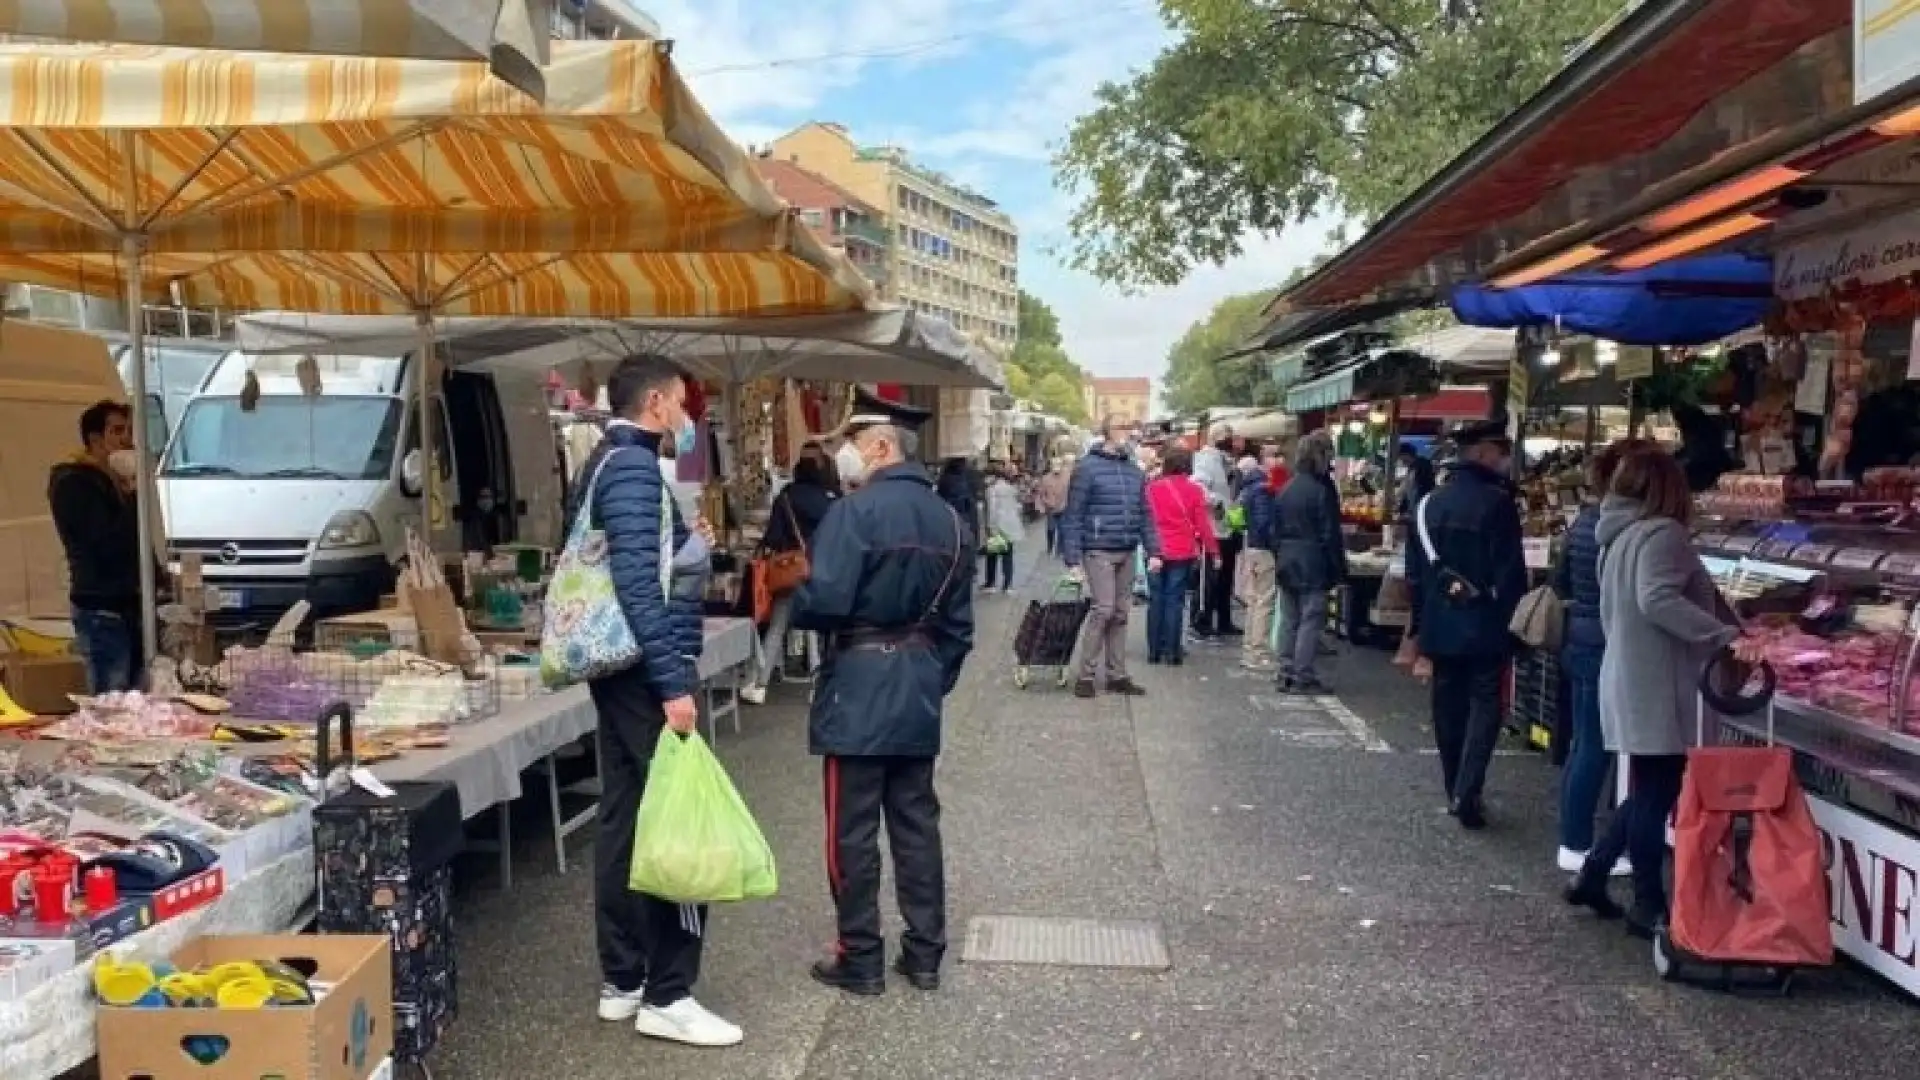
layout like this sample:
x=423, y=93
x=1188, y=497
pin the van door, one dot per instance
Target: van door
x=536, y=463
x=487, y=509
x=435, y=505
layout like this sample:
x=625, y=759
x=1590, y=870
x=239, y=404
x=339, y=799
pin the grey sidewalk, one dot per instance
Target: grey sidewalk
x=1323, y=917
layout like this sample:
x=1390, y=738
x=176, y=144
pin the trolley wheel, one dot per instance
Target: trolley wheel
x=1062, y=679
x=1020, y=678
x=1664, y=963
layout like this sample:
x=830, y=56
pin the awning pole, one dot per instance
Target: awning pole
x=133, y=250
x=429, y=459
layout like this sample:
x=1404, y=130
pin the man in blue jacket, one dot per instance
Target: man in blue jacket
x=891, y=592
x=1466, y=571
x=1106, y=520
x=649, y=948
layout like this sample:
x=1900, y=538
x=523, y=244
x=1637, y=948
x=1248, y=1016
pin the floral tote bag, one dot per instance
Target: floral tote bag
x=586, y=634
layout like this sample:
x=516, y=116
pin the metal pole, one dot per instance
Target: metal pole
x=429, y=458
x=133, y=249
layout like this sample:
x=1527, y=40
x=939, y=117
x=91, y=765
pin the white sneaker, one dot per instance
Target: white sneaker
x=686, y=1021
x=616, y=1004
x=753, y=694
x=1571, y=861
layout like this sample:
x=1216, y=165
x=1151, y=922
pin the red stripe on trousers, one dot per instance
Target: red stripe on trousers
x=830, y=771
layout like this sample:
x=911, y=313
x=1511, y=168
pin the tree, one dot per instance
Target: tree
x=1266, y=113
x=1038, y=358
x=1196, y=378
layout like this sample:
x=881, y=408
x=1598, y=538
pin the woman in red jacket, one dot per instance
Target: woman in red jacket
x=1179, y=509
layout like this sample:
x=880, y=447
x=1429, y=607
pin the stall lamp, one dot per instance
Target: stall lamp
x=1570, y=259
x=1357, y=427
x=1900, y=125
x=1550, y=358
x=1714, y=232
x=1605, y=353
x=1725, y=197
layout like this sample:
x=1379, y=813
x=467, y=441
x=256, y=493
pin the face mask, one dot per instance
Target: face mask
x=683, y=438
x=123, y=463
x=852, y=467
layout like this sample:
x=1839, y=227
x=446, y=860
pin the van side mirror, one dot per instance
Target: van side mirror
x=410, y=479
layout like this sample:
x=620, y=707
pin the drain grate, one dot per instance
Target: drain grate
x=1020, y=939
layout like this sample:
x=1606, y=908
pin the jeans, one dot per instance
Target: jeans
x=1639, y=830
x=1585, y=774
x=1166, y=599
x=1303, y=616
x=1004, y=562
x=1103, y=639
x=1466, y=721
x=109, y=641
x=773, y=645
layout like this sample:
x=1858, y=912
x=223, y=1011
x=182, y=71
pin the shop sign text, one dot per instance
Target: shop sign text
x=1873, y=892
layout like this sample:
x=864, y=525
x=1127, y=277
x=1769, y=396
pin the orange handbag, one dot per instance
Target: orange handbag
x=786, y=570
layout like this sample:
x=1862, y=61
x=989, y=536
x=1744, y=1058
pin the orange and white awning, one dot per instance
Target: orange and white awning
x=510, y=35
x=364, y=186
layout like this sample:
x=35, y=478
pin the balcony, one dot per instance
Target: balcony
x=864, y=230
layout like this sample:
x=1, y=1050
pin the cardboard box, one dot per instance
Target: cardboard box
x=40, y=684
x=343, y=1036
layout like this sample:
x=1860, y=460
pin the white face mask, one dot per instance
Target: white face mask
x=124, y=463
x=852, y=467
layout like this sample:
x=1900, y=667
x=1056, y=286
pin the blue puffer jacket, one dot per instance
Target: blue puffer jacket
x=627, y=504
x=1577, y=580
x=1107, y=507
x=1261, y=504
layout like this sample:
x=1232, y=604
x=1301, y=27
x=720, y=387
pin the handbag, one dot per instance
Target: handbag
x=586, y=634
x=1541, y=620
x=1455, y=589
x=784, y=571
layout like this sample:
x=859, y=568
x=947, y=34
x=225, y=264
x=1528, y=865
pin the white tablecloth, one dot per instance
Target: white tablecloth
x=50, y=1031
x=486, y=759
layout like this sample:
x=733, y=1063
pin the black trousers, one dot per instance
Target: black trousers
x=642, y=939
x=1466, y=720
x=1004, y=563
x=1639, y=828
x=1217, y=615
x=859, y=791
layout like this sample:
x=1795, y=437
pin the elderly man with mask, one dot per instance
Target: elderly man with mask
x=1106, y=519
x=1467, y=573
x=891, y=594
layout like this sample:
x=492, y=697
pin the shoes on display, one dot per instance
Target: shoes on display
x=618, y=1004
x=837, y=974
x=687, y=1022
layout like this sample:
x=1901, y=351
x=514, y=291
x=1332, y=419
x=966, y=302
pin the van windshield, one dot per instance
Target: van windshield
x=337, y=437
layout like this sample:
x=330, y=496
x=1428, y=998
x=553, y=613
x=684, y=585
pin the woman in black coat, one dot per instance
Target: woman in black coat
x=797, y=511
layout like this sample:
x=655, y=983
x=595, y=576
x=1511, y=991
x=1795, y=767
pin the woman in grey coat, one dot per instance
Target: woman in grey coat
x=1664, y=620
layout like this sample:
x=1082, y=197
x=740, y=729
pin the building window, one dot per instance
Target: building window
x=814, y=218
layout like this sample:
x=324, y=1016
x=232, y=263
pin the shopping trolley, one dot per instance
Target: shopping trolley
x=1048, y=632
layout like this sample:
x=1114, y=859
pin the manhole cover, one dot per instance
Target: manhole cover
x=1019, y=939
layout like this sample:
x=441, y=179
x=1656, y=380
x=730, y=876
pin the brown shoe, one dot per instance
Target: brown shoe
x=1125, y=688
x=1083, y=688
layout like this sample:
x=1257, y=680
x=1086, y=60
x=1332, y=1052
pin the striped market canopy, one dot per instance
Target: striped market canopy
x=511, y=35
x=366, y=186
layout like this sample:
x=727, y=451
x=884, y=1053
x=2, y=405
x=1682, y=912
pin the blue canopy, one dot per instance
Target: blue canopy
x=1683, y=302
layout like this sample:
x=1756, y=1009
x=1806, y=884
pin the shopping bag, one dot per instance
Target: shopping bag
x=585, y=633
x=694, y=841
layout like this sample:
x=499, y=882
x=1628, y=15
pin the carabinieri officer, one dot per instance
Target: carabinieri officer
x=891, y=594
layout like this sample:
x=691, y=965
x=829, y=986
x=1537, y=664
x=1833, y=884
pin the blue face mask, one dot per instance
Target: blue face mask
x=683, y=439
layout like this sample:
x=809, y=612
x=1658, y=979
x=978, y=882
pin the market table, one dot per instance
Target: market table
x=485, y=760
x=50, y=1031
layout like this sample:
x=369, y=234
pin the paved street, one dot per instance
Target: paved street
x=1322, y=916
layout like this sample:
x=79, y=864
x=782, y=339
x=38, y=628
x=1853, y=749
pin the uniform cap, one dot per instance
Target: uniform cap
x=872, y=410
x=1475, y=432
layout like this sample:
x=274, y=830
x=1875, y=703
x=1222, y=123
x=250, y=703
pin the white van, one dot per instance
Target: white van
x=310, y=497
x=175, y=369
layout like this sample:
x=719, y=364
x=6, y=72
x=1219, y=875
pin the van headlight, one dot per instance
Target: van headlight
x=349, y=529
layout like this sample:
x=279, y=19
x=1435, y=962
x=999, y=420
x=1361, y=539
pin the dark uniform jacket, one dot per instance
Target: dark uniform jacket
x=891, y=590
x=1476, y=534
x=627, y=504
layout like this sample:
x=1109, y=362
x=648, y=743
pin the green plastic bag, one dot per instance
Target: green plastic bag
x=694, y=841
x=1237, y=518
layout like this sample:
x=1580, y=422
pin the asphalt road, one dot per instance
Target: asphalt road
x=1322, y=915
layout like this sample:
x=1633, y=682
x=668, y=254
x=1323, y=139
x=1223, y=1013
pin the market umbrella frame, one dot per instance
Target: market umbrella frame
x=419, y=187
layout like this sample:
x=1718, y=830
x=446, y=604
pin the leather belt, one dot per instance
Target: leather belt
x=883, y=638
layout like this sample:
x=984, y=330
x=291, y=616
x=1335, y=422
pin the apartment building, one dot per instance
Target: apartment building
x=837, y=216
x=1128, y=399
x=572, y=20
x=951, y=251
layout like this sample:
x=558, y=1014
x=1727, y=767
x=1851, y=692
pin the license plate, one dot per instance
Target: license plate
x=231, y=599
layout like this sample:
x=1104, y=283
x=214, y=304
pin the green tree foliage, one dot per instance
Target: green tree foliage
x=1039, y=368
x=1197, y=379
x=1267, y=112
